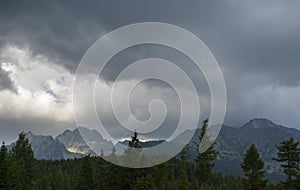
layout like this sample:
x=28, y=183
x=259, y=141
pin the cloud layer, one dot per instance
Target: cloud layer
x=255, y=43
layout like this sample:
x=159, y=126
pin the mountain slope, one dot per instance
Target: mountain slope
x=232, y=143
x=75, y=143
x=45, y=147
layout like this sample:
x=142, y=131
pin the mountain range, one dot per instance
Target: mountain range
x=232, y=143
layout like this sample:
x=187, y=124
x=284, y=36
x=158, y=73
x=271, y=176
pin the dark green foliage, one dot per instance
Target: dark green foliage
x=106, y=173
x=289, y=157
x=61, y=181
x=135, y=142
x=183, y=181
x=24, y=158
x=3, y=167
x=102, y=175
x=253, y=167
x=145, y=183
x=130, y=154
x=162, y=173
x=227, y=182
x=204, y=161
x=14, y=172
x=3, y=153
x=54, y=175
x=85, y=180
x=17, y=167
x=179, y=172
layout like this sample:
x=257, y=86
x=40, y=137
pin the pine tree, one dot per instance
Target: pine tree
x=3, y=167
x=67, y=181
x=163, y=175
x=59, y=180
x=17, y=174
x=112, y=170
x=102, y=175
x=145, y=183
x=183, y=181
x=204, y=161
x=289, y=157
x=135, y=142
x=24, y=158
x=43, y=183
x=253, y=167
x=3, y=152
x=85, y=180
x=131, y=157
x=131, y=154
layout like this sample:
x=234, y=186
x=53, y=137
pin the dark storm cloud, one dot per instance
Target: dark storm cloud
x=5, y=82
x=49, y=28
x=64, y=31
x=256, y=43
x=251, y=37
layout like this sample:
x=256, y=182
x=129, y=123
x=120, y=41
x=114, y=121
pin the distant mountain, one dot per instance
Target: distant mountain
x=232, y=143
x=69, y=144
x=146, y=144
x=74, y=142
x=45, y=147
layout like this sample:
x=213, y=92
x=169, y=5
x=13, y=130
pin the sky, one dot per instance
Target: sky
x=256, y=43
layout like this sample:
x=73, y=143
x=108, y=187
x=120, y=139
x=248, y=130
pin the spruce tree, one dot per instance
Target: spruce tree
x=85, y=180
x=131, y=154
x=59, y=180
x=253, y=167
x=135, y=142
x=17, y=174
x=102, y=175
x=124, y=178
x=145, y=183
x=3, y=167
x=112, y=170
x=24, y=158
x=204, y=161
x=183, y=180
x=163, y=175
x=43, y=183
x=289, y=157
x=3, y=152
x=131, y=157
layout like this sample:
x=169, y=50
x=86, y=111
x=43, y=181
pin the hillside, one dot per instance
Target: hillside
x=231, y=143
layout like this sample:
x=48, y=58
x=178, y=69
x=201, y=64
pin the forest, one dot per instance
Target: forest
x=20, y=170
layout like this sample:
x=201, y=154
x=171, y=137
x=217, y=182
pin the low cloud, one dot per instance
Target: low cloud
x=42, y=89
x=5, y=82
x=256, y=43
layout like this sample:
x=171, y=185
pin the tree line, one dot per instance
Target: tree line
x=20, y=170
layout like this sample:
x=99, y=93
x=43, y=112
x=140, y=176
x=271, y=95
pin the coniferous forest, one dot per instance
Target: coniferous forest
x=20, y=170
x=149, y=95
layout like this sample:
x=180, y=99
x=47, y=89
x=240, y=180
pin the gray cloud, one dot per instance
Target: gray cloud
x=5, y=81
x=256, y=43
x=256, y=36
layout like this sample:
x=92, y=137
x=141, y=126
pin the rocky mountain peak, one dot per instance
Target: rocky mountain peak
x=258, y=123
